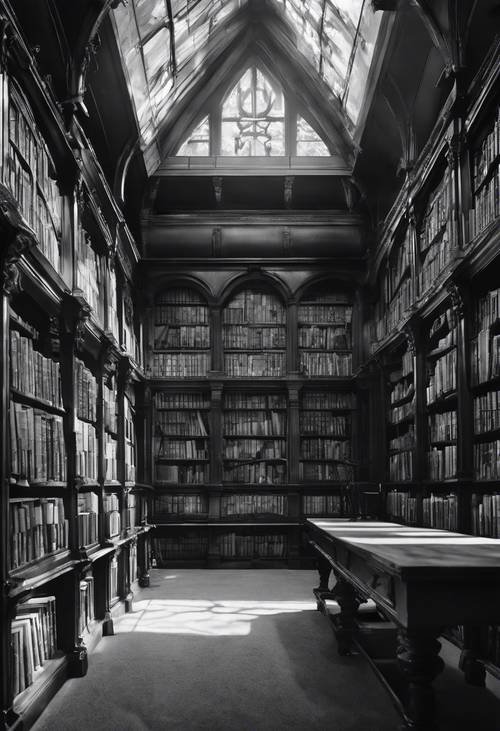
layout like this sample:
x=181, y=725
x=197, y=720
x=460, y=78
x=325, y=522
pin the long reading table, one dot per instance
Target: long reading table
x=423, y=580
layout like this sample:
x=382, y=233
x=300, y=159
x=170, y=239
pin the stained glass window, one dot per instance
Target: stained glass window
x=253, y=117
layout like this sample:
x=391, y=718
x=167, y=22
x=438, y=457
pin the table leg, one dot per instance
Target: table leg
x=324, y=571
x=418, y=658
x=473, y=670
x=345, y=622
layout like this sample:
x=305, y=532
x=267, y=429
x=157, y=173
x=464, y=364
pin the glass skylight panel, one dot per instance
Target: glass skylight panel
x=198, y=143
x=365, y=46
x=308, y=141
x=161, y=55
x=150, y=14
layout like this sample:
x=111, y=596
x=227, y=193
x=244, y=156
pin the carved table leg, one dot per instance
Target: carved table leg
x=418, y=657
x=345, y=623
x=324, y=570
x=473, y=670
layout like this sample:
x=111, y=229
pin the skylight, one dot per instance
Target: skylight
x=164, y=43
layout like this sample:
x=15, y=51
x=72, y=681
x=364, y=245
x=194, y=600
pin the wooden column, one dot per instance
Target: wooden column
x=293, y=442
x=216, y=440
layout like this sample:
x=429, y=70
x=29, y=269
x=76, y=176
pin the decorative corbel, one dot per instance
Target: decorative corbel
x=18, y=239
x=457, y=300
x=286, y=240
x=109, y=359
x=288, y=190
x=217, y=183
x=411, y=340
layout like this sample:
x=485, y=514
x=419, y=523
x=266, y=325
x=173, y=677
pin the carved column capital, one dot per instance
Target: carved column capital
x=410, y=339
x=288, y=190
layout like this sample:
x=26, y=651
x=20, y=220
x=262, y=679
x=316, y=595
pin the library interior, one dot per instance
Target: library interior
x=250, y=364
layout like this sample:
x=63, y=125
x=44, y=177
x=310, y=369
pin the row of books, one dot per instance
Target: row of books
x=181, y=336
x=90, y=274
x=256, y=473
x=233, y=506
x=177, y=423
x=32, y=373
x=196, y=474
x=254, y=449
x=88, y=529
x=322, y=505
x=394, y=309
x=179, y=296
x=403, y=441
x=325, y=337
x=443, y=427
x=45, y=222
x=180, y=365
x=403, y=389
x=486, y=514
x=241, y=337
x=110, y=406
x=398, y=264
x=177, y=314
x=486, y=153
x=327, y=400
x=254, y=307
x=437, y=212
x=401, y=466
x=188, y=505
x=37, y=449
x=112, y=524
x=37, y=528
x=436, y=259
x=188, y=545
x=324, y=422
x=86, y=392
x=234, y=545
x=112, y=302
x=440, y=511
x=171, y=400
x=486, y=205
x=33, y=640
x=442, y=463
x=407, y=363
x=254, y=401
x=130, y=443
x=321, y=472
x=86, y=450
x=443, y=379
x=22, y=133
x=487, y=460
x=321, y=448
x=86, y=604
x=311, y=314
x=180, y=448
x=485, y=357
x=487, y=412
x=486, y=311
x=254, y=423
x=113, y=579
x=325, y=364
x=253, y=364
x=402, y=505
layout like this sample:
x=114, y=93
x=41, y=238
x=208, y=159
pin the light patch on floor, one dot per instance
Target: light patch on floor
x=203, y=617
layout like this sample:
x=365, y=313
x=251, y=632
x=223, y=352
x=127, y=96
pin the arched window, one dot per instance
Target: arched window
x=253, y=119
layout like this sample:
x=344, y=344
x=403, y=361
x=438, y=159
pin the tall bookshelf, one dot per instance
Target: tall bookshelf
x=63, y=532
x=241, y=454
x=180, y=335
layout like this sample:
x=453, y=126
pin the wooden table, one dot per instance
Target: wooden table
x=424, y=580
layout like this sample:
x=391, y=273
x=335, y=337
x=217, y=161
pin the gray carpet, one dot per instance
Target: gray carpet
x=222, y=651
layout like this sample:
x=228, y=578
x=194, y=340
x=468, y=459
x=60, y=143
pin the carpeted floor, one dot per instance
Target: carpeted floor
x=222, y=651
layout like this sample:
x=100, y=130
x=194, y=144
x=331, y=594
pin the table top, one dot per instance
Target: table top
x=404, y=549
